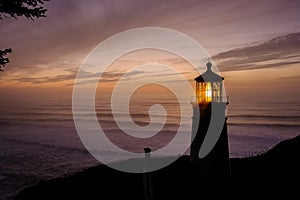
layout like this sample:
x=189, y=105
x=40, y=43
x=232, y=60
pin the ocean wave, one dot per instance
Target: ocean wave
x=266, y=116
x=52, y=146
x=265, y=125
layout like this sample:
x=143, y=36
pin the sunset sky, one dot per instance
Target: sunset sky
x=238, y=34
x=48, y=123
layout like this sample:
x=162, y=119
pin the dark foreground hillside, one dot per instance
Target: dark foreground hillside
x=273, y=175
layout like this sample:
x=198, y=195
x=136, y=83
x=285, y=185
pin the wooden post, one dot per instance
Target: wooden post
x=147, y=180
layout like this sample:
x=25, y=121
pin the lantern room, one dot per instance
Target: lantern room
x=209, y=86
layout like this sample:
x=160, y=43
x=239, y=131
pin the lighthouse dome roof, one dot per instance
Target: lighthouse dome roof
x=209, y=75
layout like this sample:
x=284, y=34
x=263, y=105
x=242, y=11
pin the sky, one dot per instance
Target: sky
x=255, y=44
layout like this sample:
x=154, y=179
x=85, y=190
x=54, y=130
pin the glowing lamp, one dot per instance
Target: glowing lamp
x=209, y=86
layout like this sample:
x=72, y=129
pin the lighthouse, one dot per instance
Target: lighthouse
x=208, y=99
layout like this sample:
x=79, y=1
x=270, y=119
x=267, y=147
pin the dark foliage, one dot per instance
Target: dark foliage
x=28, y=8
x=17, y=8
x=3, y=60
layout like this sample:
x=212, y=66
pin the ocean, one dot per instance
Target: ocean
x=39, y=140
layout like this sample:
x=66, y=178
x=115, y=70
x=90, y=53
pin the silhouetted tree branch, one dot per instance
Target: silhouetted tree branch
x=17, y=8
x=3, y=60
x=28, y=8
